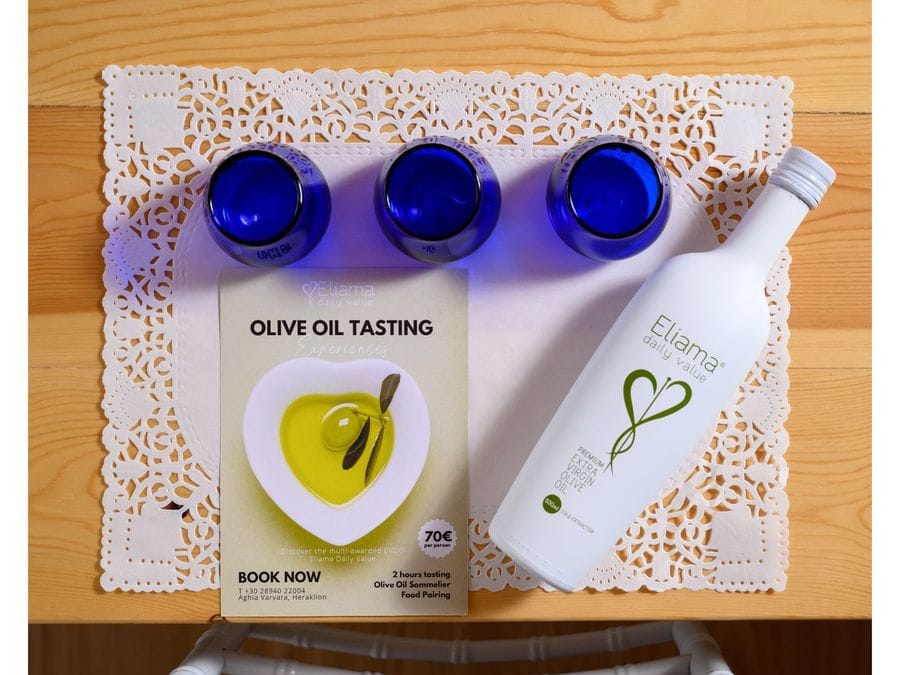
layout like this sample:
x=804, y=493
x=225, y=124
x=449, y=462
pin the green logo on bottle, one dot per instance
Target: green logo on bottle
x=552, y=503
x=626, y=439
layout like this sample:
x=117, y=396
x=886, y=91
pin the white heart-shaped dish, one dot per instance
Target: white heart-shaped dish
x=288, y=381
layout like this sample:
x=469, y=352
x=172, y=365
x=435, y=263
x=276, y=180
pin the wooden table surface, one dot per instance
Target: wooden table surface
x=823, y=45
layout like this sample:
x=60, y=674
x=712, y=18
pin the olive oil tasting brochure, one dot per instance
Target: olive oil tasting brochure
x=344, y=442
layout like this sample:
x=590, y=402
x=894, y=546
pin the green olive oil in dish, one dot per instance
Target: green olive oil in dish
x=337, y=445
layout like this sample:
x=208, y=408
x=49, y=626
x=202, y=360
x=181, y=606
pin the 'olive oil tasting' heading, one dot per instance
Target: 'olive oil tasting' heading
x=338, y=327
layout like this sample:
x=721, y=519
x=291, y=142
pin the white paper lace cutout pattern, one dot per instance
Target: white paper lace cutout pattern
x=722, y=524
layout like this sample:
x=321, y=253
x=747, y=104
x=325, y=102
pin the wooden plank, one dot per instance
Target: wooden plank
x=830, y=348
x=831, y=271
x=829, y=488
x=824, y=46
x=65, y=202
x=830, y=275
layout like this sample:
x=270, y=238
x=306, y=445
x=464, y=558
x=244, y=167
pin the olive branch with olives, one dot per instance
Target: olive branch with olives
x=357, y=447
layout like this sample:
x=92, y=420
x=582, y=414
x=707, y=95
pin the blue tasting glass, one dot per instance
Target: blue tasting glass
x=608, y=198
x=267, y=205
x=437, y=199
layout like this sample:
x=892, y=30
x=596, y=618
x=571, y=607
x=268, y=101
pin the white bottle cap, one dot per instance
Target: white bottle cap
x=803, y=174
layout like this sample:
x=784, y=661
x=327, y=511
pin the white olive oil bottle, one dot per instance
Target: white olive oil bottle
x=656, y=384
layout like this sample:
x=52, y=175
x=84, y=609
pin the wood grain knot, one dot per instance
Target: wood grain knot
x=637, y=10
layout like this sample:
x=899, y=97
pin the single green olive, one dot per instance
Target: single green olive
x=340, y=426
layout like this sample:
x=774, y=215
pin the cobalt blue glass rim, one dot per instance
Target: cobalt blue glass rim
x=436, y=142
x=238, y=155
x=593, y=145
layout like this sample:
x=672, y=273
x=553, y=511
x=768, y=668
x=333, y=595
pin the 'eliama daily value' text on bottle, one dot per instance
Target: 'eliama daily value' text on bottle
x=653, y=389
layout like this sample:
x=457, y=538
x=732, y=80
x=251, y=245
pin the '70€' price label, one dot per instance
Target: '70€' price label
x=437, y=538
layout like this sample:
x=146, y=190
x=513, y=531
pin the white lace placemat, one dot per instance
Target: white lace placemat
x=537, y=310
